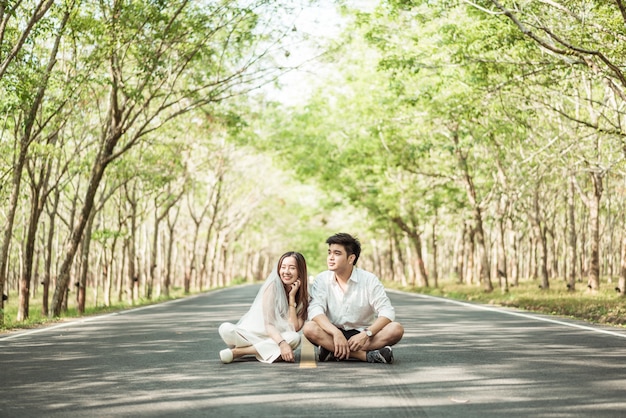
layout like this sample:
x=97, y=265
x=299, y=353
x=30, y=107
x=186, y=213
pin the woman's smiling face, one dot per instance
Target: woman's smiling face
x=289, y=270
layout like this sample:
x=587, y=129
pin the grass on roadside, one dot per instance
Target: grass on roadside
x=604, y=307
x=36, y=318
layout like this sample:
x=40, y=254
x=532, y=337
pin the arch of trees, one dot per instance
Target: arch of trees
x=484, y=140
x=116, y=171
x=479, y=140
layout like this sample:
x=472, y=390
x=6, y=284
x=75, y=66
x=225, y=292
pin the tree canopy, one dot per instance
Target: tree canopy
x=144, y=147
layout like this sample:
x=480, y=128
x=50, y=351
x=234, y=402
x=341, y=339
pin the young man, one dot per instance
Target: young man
x=350, y=314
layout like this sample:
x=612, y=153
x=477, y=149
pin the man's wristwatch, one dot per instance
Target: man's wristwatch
x=368, y=332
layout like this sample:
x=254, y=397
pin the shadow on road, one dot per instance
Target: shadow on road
x=454, y=361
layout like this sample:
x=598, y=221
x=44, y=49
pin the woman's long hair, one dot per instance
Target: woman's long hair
x=302, y=297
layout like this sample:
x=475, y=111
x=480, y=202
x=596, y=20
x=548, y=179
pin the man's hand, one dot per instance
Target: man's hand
x=342, y=350
x=358, y=341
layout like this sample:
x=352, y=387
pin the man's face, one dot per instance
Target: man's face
x=338, y=258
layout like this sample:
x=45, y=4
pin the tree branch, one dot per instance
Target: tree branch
x=570, y=50
x=622, y=9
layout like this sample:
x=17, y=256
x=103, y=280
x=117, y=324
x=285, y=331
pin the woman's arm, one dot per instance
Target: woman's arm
x=269, y=303
x=293, y=318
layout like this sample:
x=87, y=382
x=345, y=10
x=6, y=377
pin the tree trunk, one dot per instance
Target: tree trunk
x=216, y=198
x=26, y=140
x=167, y=280
x=513, y=259
x=106, y=279
x=77, y=232
x=622, y=274
x=111, y=134
x=217, y=259
x=483, y=268
x=10, y=220
x=469, y=271
x=402, y=263
x=571, y=242
x=224, y=258
x=48, y=256
x=411, y=264
x=459, y=265
x=533, y=269
x=388, y=272
x=541, y=240
x=132, y=270
x=416, y=239
x=594, y=233
x=214, y=257
x=131, y=245
x=121, y=272
x=434, y=273
x=189, y=268
x=82, y=281
x=153, y=255
x=29, y=253
x=545, y=282
x=39, y=190
x=158, y=218
x=502, y=209
x=501, y=265
x=552, y=253
x=229, y=263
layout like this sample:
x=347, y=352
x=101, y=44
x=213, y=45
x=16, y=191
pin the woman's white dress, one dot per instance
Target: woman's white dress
x=269, y=309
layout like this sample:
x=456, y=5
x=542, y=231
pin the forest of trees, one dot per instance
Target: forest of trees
x=484, y=140
x=117, y=173
x=480, y=142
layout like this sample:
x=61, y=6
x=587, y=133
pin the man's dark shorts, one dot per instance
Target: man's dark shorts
x=349, y=332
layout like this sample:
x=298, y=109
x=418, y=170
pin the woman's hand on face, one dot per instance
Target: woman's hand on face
x=294, y=288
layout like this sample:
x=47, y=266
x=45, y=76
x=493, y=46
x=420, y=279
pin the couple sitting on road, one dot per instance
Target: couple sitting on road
x=350, y=315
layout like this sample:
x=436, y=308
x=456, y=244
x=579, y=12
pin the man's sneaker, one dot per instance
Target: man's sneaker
x=384, y=355
x=326, y=355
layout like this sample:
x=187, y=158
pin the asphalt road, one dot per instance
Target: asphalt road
x=456, y=360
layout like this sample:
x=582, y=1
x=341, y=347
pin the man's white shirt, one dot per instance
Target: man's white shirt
x=365, y=299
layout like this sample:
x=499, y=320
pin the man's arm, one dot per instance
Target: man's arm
x=361, y=340
x=318, y=314
x=380, y=301
x=342, y=350
x=385, y=312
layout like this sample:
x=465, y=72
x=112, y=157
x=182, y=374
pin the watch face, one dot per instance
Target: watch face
x=368, y=333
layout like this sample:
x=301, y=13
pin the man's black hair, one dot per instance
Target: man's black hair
x=351, y=244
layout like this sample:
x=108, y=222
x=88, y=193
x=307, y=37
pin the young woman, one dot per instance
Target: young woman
x=269, y=330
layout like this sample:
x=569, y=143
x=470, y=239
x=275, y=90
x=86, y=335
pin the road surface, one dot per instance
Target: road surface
x=455, y=360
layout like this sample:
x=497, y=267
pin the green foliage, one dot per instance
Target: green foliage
x=125, y=73
x=423, y=94
x=607, y=307
x=36, y=319
x=104, y=235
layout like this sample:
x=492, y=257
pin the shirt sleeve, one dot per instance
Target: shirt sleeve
x=319, y=297
x=380, y=301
